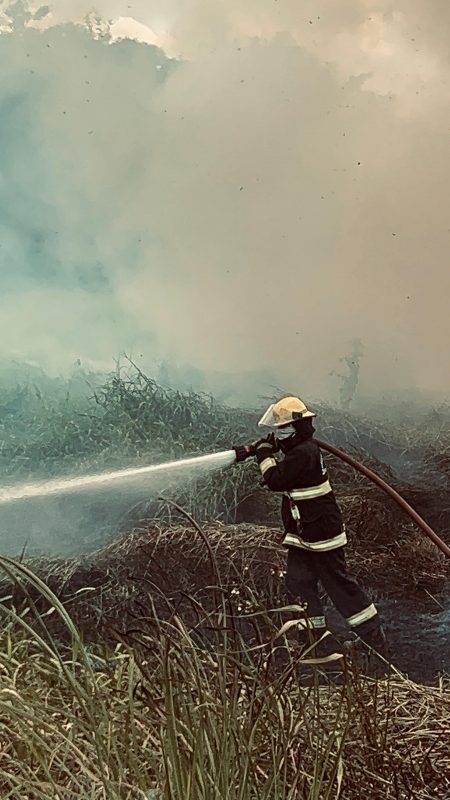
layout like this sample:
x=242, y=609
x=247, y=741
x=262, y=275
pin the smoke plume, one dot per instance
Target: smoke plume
x=249, y=186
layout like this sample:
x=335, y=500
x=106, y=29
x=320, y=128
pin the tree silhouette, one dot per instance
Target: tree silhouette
x=349, y=383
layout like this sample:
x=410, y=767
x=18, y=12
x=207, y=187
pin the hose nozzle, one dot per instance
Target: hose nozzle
x=244, y=451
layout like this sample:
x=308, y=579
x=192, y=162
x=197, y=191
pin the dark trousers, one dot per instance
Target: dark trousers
x=306, y=569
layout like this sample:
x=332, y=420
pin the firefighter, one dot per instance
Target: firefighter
x=314, y=531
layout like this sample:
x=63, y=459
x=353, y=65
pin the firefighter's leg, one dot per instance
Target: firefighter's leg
x=302, y=587
x=350, y=599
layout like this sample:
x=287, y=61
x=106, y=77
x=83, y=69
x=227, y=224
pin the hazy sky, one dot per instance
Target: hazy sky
x=261, y=184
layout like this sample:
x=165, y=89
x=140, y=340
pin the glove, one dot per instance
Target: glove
x=244, y=451
x=269, y=441
x=263, y=449
x=272, y=439
x=264, y=455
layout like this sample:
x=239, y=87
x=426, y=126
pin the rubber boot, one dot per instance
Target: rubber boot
x=319, y=647
x=370, y=650
x=375, y=639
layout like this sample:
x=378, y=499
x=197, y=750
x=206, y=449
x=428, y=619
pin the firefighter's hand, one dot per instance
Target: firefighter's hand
x=264, y=456
x=269, y=442
x=272, y=439
x=263, y=450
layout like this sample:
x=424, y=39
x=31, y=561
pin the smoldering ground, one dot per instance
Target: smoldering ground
x=266, y=188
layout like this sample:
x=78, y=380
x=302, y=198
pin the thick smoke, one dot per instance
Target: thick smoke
x=267, y=185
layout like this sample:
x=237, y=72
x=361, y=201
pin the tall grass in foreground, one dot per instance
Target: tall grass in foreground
x=194, y=713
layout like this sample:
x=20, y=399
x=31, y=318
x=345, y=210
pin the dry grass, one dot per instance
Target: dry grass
x=166, y=561
x=192, y=710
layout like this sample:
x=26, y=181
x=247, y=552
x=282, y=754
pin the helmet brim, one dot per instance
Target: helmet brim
x=268, y=419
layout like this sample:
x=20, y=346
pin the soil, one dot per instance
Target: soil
x=419, y=642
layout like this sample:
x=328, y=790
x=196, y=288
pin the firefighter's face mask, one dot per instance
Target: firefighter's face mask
x=284, y=433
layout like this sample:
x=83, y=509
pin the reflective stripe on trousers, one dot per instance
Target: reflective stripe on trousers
x=315, y=622
x=362, y=616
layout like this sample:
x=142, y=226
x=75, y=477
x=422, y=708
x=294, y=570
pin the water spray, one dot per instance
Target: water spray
x=104, y=480
x=223, y=459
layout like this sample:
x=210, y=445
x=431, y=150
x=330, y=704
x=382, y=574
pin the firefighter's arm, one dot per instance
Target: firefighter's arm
x=277, y=475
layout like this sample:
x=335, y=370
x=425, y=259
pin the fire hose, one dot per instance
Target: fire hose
x=372, y=476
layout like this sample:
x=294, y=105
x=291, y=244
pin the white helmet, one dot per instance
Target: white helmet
x=285, y=412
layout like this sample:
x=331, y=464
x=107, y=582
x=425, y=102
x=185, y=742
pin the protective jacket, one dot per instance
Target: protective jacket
x=311, y=516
